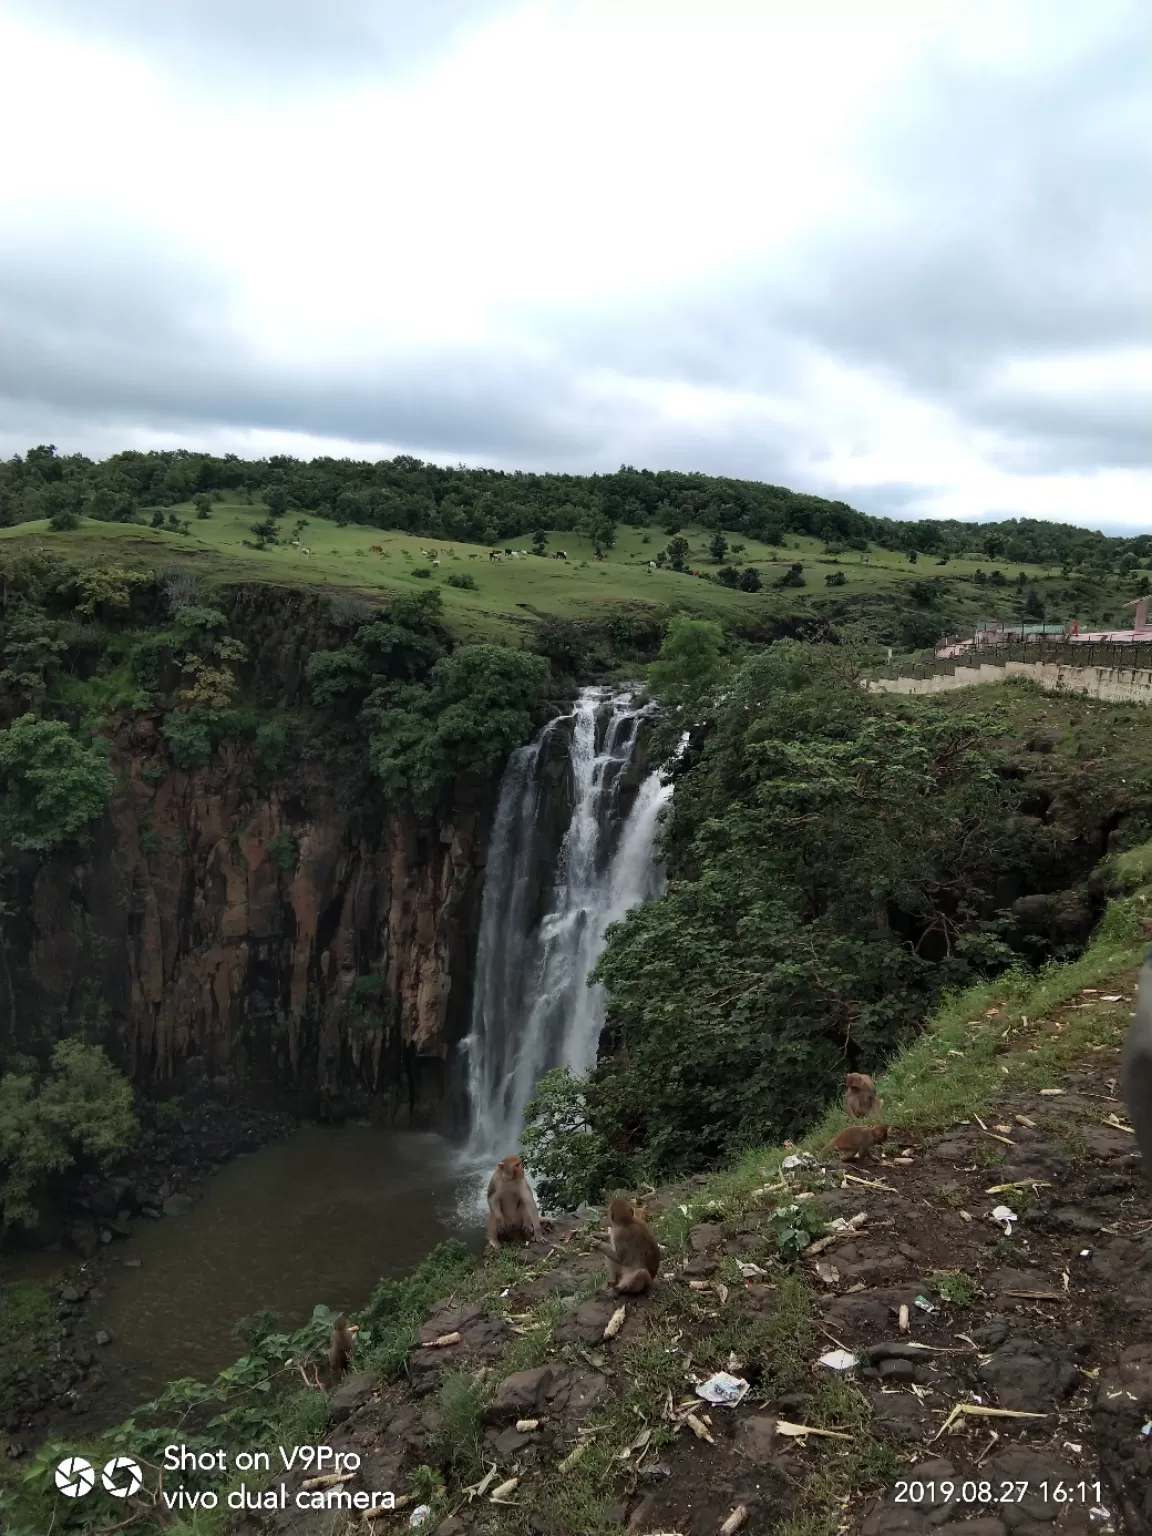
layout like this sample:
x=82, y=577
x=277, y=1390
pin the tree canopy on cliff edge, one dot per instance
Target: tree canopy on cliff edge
x=831, y=868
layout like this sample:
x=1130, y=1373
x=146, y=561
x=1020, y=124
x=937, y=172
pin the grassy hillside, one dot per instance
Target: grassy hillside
x=900, y=602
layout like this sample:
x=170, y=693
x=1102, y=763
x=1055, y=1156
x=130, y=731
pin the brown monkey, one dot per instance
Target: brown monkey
x=860, y=1099
x=1136, y=1067
x=855, y=1140
x=632, y=1252
x=340, y=1347
x=511, y=1207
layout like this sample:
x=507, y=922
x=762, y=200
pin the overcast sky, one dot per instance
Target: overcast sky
x=898, y=253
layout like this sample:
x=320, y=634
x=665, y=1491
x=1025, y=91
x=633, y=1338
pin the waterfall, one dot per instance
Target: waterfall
x=544, y=915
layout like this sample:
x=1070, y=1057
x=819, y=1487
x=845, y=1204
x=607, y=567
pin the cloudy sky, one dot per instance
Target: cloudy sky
x=896, y=251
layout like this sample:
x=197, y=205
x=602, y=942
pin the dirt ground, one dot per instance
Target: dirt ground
x=1003, y=1374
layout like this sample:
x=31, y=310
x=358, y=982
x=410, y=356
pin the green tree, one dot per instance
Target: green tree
x=750, y=579
x=82, y=1108
x=52, y=783
x=677, y=552
x=477, y=706
x=718, y=547
x=690, y=662
x=539, y=541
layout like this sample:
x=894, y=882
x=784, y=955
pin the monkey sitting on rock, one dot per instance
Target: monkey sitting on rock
x=1136, y=1067
x=511, y=1205
x=632, y=1252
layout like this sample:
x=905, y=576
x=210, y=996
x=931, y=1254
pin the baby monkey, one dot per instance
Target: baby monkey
x=857, y=1140
x=633, y=1253
x=860, y=1098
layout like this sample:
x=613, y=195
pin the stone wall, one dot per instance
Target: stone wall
x=1130, y=685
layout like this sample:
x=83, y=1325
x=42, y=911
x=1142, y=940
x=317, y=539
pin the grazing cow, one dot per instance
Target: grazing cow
x=559, y=554
x=377, y=549
x=494, y=554
x=507, y=551
x=435, y=562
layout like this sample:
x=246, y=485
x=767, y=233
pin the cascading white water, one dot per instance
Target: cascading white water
x=533, y=1006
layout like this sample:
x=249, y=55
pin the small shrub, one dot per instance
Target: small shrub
x=836, y=579
x=463, y=579
x=189, y=738
x=955, y=1287
x=421, y=571
x=63, y=521
x=795, y=1226
x=284, y=851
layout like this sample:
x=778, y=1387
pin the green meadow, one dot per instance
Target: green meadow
x=510, y=592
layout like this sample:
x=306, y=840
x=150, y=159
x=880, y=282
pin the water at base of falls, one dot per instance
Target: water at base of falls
x=533, y=1006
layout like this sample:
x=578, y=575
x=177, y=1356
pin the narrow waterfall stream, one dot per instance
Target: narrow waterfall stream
x=548, y=905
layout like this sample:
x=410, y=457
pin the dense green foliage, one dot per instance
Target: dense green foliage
x=52, y=784
x=81, y=1108
x=831, y=867
x=492, y=506
x=477, y=706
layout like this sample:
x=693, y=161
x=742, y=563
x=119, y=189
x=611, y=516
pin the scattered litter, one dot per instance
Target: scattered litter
x=998, y=1189
x=418, y=1516
x=827, y=1272
x=1115, y=998
x=615, y=1323
x=443, y=1341
x=477, y=1490
x=925, y=1305
x=1050, y=1092
x=639, y=1444
x=1147, y=1430
x=848, y=1224
x=698, y=1285
x=723, y=1390
x=1117, y=1124
x=798, y=1431
x=1085, y=1253
x=524, y=1426
x=750, y=1271
x=1035, y=1295
x=1024, y=1120
x=1074, y=1446
x=839, y=1360
x=1099, y=1514
x=1004, y=1217
x=699, y=1428
x=798, y=1160
x=722, y=1291
x=734, y=1521
x=500, y=1495
x=905, y=1321
x=573, y=1457
x=977, y=1410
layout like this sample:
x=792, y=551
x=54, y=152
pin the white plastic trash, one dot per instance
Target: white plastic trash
x=723, y=1390
x=839, y=1360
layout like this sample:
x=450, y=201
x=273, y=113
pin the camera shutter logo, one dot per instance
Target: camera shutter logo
x=121, y=1477
x=75, y=1477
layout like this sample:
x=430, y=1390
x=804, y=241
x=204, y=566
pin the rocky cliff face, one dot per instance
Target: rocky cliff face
x=223, y=930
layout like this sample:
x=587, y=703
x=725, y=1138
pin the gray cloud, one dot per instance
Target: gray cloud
x=1020, y=232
